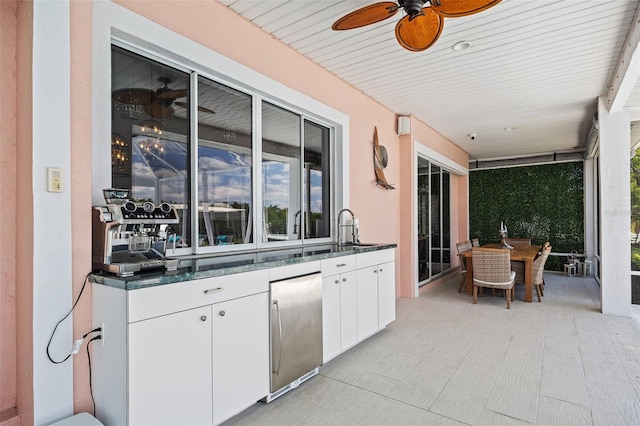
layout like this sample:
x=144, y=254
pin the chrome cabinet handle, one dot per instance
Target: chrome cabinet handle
x=380, y=269
x=203, y=318
x=277, y=370
x=213, y=290
x=375, y=271
x=222, y=313
x=344, y=280
x=340, y=265
x=337, y=281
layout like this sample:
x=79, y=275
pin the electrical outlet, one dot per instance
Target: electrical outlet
x=104, y=341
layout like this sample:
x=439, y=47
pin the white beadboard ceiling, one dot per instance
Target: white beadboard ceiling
x=536, y=67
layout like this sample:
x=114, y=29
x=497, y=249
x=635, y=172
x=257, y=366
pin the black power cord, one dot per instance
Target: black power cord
x=98, y=337
x=86, y=278
x=93, y=401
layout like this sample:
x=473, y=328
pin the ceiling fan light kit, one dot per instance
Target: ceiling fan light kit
x=424, y=20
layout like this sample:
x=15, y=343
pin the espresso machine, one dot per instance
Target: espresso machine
x=130, y=237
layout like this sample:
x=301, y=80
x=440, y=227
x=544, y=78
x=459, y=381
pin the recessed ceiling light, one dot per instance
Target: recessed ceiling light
x=461, y=45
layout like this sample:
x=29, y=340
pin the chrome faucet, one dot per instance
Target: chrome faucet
x=354, y=229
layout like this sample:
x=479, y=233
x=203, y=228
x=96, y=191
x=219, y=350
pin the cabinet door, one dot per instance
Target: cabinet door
x=367, y=302
x=170, y=369
x=348, y=310
x=330, y=317
x=386, y=294
x=240, y=354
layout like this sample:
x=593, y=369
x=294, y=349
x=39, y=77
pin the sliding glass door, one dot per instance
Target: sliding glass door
x=433, y=224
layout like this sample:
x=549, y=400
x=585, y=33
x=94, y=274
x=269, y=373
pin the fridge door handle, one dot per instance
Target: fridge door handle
x=277, y=370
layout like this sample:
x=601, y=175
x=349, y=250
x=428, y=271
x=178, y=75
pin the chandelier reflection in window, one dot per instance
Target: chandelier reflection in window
x=128, y=105
x=119, y=152
x=227, y=134
x=152, y=130
x=152, y=145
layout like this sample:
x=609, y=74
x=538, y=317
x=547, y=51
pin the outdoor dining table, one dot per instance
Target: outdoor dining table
x=524, y=253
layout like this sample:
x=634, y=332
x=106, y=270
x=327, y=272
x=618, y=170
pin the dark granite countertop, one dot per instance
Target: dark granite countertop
x=205, y=266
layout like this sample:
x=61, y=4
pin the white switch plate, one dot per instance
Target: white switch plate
x=54, y=179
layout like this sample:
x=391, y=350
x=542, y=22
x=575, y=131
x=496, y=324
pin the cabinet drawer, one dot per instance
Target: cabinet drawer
x=337, y=265
x=375, y=257
x=155, y=301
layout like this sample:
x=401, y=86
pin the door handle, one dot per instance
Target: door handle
x=276, y=371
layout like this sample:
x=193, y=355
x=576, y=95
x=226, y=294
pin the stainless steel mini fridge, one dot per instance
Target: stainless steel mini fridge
x=296, y=330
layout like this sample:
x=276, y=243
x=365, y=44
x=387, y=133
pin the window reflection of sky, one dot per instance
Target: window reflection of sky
x=316, y=191
x=275, y=184
x=225, y=176
x=159, y=170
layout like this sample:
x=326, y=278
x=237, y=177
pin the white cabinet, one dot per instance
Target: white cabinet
x=194, y=352
x=376, y=291
x=339, y=306
x=240, y=354
x=166, y=354
x=386, y=294
x=367, y=301
x=358, y=298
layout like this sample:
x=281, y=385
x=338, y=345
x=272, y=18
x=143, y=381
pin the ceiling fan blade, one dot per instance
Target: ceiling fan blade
x=158, y=110
x=457, y=8
x=421, y=32
x=172, y=94
x=366, y=15
x=133, y=96
x=200, y=108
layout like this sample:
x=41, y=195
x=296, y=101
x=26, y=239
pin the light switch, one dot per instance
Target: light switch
x=54, y=179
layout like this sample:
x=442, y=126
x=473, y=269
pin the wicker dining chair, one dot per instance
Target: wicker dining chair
x=492, y=269
x=517, y=266
x=518, y=241
x=463, y=246
x=538, y=270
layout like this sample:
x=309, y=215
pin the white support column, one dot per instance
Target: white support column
x=590, y=240
x=615, y=289
x=52, y=286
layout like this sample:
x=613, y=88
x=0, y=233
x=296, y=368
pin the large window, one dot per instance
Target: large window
x=150, y=134
x=186, y=139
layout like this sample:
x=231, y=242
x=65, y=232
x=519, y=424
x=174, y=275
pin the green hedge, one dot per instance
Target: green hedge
x=544, y=203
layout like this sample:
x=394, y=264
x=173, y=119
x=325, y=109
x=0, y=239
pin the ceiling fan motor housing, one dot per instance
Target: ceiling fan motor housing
x=413, y=7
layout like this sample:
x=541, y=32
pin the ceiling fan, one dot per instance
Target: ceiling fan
x=421, y=27
x=157, y=103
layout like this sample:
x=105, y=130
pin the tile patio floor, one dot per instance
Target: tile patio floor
x=445, y=361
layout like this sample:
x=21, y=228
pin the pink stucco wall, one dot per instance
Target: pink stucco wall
x=381, y=212
x=24, y=221
x=8, y=49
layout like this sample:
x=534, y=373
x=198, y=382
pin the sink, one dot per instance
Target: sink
x=358, y=245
